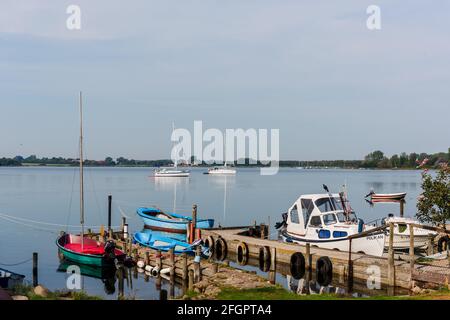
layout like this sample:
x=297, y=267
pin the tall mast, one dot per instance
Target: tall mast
x=81, y=174
x=175, y=164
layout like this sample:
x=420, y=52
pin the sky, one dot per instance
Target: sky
x=312, y=69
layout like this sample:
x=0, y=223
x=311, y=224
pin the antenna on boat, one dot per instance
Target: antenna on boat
x=81, y=174
x=330, y=196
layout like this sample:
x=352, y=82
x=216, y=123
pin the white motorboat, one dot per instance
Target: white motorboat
x=327, y=221
x=171, y=172
x=401, y=233
x=223, y=170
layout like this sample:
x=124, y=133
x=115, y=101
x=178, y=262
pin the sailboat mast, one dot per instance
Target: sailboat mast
x=175, y=165
x=81, y=173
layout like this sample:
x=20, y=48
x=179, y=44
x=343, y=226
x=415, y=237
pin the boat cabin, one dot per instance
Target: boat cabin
x=322, y=216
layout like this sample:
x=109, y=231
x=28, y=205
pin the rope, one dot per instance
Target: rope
x=15, y=264
x=13, y=219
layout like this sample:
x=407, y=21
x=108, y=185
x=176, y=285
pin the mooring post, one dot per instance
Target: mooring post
x=430, y=249
x=109, y=212
x=124, y=228
x=215, y=267
x=191, y=280
x=350, y=267
x=147, y=258
x=402, y=207
x=35, y=269
x=163, y=295
x=273, y=265
x=184, y=261
x=197, y=267
x=411, y=253
x=131, y=247
x=120, y=277
x=391, y=271
x=172, y=263
x=194, y=222
x=262, y=228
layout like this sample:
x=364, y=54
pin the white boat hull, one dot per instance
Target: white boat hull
x=222, y=172
x=371, y=245
x=401, y=242
x=172, y=174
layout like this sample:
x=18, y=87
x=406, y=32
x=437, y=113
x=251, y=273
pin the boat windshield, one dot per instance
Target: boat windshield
x=329, y=219
x=328, y=204
x=341, y=216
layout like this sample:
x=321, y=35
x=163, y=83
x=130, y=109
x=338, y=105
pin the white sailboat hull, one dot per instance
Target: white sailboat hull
x=222, y=172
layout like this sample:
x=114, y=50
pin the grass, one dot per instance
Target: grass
x=279, y=293
x=28, y=290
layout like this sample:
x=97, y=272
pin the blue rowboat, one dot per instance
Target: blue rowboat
x=157, y=220
x=158, y=242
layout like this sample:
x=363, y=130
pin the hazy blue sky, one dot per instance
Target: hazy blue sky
x=310, y=68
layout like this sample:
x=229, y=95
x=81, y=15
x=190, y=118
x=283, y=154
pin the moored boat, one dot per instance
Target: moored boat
x=157, y=220
x=159, y=242
x=326, y=221
x=401, y=240
x=88, y=251
x=379, y=197
x=171, y=172
x=10, y=279
x=79, y=248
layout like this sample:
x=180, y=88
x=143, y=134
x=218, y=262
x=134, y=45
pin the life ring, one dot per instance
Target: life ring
x=297, y=265
x=264, y=258
x=209, y=243
x=221, y=249
x=242, y=253
x=443, y=243
x=324, y=271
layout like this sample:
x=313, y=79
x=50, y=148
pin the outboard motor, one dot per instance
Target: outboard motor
x=110, y=247
x=281, y=224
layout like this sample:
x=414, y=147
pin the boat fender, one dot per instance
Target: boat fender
x=442, y=244
x=165, y=270
x=264, y=258
x=148, y=268
x=242, y=253
x=324, y=271
x=155, y=271
x=209, y=243
x=297, y=265
x=221, y=249
x=140, y=264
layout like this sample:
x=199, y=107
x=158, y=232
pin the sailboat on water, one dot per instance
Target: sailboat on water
x=79, y=248
x=172, y=171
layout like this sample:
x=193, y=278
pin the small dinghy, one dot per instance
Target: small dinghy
x=380, y=197
x=159, y=242
x=157, y=220
x=89, y=251
x=9, y=279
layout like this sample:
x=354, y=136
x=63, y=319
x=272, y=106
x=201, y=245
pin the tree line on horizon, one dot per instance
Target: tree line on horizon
x=375, y=159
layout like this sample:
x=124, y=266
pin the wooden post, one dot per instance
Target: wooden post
x=411, y=252
x=262, y=228
x=197, y=267
x=273, y=265
x=130, y=246
x=147, y=258
x=191, y=280
x=350, y=268
x=402, y=207
x=430, y=248
x=184, y=261
x=172, y=263
x=215, y=268
x=391, y=271
x=194, y=222
x=109, y=212
x=120, y=277
x=35, y=269
x=163, y=295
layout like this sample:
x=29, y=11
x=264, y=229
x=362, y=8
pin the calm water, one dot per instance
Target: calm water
x=51, y=196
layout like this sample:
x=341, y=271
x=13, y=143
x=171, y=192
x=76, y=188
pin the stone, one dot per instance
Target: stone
x=20, y=298
x=41, y=291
